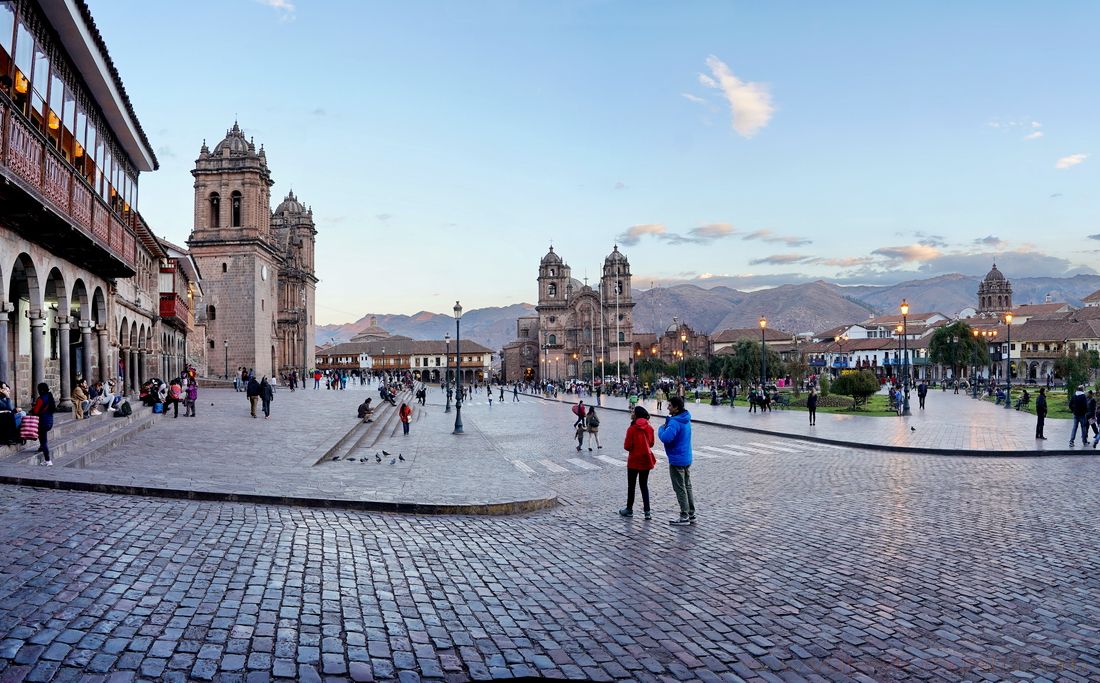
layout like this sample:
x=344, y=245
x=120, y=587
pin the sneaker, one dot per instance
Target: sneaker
x=626, y=512
x=682, y=521
x=578, y=447
x=648, y=514
x=49, y=463
x=692, y=519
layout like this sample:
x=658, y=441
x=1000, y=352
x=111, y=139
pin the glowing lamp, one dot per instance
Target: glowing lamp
x=21, y=82
x=763, y=322
x=904, y=307
x=78, y=151
x=52, y=121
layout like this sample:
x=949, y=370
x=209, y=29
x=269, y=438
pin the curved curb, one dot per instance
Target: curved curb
x=517, y=507
x=855, y=444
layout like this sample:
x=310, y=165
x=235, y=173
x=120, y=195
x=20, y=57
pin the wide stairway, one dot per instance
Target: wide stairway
x=364, y=435
x=75, y=443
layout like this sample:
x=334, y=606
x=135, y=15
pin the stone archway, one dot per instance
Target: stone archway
x=25, y=308
x=57, y=372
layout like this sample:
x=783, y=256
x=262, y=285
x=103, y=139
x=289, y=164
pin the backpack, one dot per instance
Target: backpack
x=593, y=421
x=124, y=410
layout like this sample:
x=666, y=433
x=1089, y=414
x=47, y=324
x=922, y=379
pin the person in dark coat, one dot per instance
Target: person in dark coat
x=44, y=407
x=639, y=460
x=1041, y=413
x=922, y=393
x=1079, y=406
x=267, y=394
x=811, y=405
x=252, y=391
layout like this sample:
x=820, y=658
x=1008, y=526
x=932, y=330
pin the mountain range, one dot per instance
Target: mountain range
x=807, y=307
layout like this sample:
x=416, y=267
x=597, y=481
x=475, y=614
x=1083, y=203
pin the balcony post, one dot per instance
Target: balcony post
x=65, y=404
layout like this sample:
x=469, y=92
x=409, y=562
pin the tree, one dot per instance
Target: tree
x=859, y=385
x=695, y=367
x=743, y=362
x=955, y=345
x=798, y=368
x=1076, y=367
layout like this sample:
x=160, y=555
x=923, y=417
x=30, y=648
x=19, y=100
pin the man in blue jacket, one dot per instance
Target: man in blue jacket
x=675, y=434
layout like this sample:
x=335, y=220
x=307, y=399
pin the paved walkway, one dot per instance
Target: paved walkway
x=225, y=453
x=950, y=423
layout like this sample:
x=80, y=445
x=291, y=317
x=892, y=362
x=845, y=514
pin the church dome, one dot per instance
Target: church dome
x=994, y=275
x=615, y=256
x=551, y=257
x=235, y=142
x=290, y=205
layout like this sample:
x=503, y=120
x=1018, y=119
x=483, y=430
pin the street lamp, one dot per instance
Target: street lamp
x=974, y=367
x=905, y=359
x=763, y=353
x=226, y=359
x=1008, y=360
x=899, y=330
x=447, y=370
x=458, y=368
x=840, y=348
x=683, y=348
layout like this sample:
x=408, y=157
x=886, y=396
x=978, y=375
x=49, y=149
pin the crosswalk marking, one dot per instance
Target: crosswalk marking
x=773, y=447
x=739, y=449
x=552, y=466
x=611, y=461
x=583, y=464
x=523, y=466
x=727, y=451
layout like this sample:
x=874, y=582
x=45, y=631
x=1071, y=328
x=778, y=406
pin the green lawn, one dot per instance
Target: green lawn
x=1057, y=403
x=877, y=406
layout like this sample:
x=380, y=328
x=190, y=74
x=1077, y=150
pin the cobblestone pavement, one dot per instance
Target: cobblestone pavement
x=808, y=563
x=950, y=423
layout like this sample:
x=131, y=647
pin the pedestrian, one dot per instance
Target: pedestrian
x=1078, y=405
x=922, y=393
x=1090, y=409
x=515, y=393
x=191, y=397
x=267, y=395
x=80, y=399
x=490, y=396
x=640, y=460
x=501, y=398
x=675, y=434
x=175, y=394
x=44, y=407
x=593, y=424
x=811, y=405
x=1041, y=414
x=580, y=412
x=252, y=392
x=660, y=396
x=405, y=412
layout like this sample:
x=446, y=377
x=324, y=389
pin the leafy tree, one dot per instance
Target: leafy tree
x=798, y=369
x=955, y=344
x=743, y=362
x=859, y=385
x=695, y=367
x=1076, y=367
x=824, y=385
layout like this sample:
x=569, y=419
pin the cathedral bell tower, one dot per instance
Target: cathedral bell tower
x=234, y=248
x=618, y=305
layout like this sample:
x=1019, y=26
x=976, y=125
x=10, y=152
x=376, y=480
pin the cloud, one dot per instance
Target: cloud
x=1034, y=135
x=772, y=238
x=780, y=259
x=285, y=8
x=750, y=103
x=319, y=111
x=620, y=185
x=693, y=98
x=635, y=233
x=165, y=151
x=1095, y=237
x=1055, y=195
x=909, y=252
x=990, y=241
x=845, y=262
x=1071, y=160
x=711, y=232
x=384, y=217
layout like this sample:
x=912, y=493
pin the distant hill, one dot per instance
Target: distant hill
x=807, y=307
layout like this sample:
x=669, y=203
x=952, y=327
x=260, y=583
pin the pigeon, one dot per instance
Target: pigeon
x=378, y=457
x=912, y=429
x=401, y=457
x=335, y=458
x=385, y=453
x=393, y=460
x=362, y=459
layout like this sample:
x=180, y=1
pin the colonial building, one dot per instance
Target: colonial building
x=577, y=329
x=994, y=295
x=259, y=281
x=79, y=267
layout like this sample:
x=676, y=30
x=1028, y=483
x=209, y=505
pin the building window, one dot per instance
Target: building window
x=225, y=268
x=622, y=336
x=261, y=304
x=211, y=312
x=211, y=343
x=552, y=290
x=553, y=340
x=215, y=210
x=236, y=196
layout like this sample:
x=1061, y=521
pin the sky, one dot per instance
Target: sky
x=443, y=146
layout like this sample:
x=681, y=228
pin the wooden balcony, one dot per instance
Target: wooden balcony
x=174, y=310
x=42, y=179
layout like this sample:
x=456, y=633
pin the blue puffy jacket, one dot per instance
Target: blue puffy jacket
x=675, y=434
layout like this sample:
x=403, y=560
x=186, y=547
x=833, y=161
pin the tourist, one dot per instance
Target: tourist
x=1090, y=410
x=365, y=411
x=80, y=399
x=173, y=398
x=593, y=424
x=675, y=434
x=922, y=393
x=639, y=460
x=1041, y=414
x=405, y=413
x=660, y=397
x=191, y=397
x=1078, y=405
x=9, y=428
x=252, y=393
x=580, y=412
x=515, y=393
x=811, y=405
x=267, y=395
x=44, y=407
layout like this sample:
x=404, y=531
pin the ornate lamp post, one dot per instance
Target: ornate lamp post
x=905, y=360
x=840, y=347
x=763, y=353
x=683, y=348
x=226, y=359
x=990, y=335
x=898, y=330
x=458, y=368
x=1008, y=360
x=447, y=370
x=974, y=367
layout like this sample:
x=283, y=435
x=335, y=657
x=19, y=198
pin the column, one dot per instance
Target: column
x=5, y=308
x=142, y=355
x=131, y=371
x=105, y=374
x=86, y=345
x=38, y=349
x=65, y=403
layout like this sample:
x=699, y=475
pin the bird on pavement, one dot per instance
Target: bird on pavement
x=393, y=460
x=378, y=457
x=336, y=457
x=912, y=429
x=386, y=453
x=401, y=457
x=362, y=459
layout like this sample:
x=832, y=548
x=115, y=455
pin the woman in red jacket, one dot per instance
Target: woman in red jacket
x=639, y=461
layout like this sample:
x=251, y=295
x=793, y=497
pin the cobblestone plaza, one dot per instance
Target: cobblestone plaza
x=809, y=561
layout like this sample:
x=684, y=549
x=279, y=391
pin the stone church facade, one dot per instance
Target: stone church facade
x=258, y=267
x=578, y=332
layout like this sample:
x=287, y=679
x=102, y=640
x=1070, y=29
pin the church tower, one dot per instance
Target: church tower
x=235, y=251
x=555, y=288
x=618, y=306
x=994, y=295
x=295, y=236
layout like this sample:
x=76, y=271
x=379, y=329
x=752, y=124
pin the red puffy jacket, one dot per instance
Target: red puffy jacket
x=639, y=444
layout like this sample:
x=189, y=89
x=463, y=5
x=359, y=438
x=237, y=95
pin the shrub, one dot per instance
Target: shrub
x=859, y=385
x=824, y=385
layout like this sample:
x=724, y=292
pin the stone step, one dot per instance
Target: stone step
x=363, y=435
x=72, y=436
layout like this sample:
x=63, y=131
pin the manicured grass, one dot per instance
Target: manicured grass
x=876, y=406
x=1057, y=403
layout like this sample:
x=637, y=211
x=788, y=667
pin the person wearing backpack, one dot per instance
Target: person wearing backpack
x=640, y=460
x=592, y=422
x=191, y=398
x=175, y=394
x=405, y=413
x=44, y=407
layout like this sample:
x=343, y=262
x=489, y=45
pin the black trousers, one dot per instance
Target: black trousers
x=1039, y=425
x=813, y=415
x=642, y=478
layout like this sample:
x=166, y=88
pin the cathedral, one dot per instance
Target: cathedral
x=259, y=281
x=578, y=332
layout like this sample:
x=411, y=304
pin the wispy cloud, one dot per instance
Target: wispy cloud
x=846, y=261
x=750, y=103
x=990, y=241
x=635, y=233
x=772, y=238
x=711, y=231
x=780, y=259
x=1034, y=135
x=620, y=185
x=384, y=217
x=1071, y=160
x=693, y=98
x=909, y=252
x=1095, y=236
x=285, y=8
